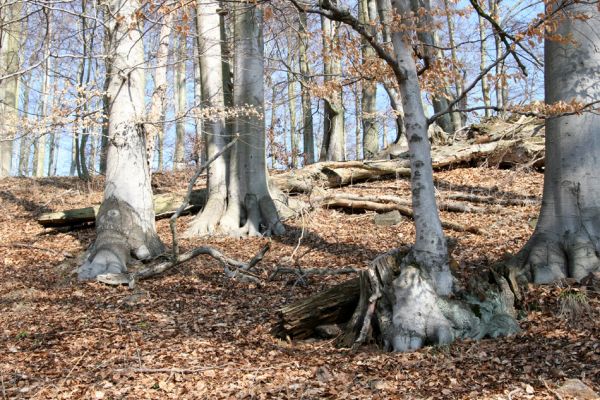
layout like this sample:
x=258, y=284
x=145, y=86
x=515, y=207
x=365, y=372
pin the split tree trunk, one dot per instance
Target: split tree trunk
x=213, y=96
x=249, y=208
x=125, y=221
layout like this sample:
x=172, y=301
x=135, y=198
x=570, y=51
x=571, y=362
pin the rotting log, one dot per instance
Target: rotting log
x=332, y=306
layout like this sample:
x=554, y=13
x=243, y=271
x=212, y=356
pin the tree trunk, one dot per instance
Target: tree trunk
x=25, y=145
x=485, y=87
x=125, y=222
x=211, y=73
x=10, y=38
x=291, y=86
x=249, y=209
x=155, y=127
x=370, y=142
x=457, y=118
x=333, y=148
x=307, y=116
x=357, y=122
x=567, y=235
x=199, y=151
x=430, y=54
x=39, y=153
x=180, y=103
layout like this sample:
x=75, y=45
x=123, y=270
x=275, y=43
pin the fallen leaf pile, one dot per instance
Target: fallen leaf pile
x=194, y=333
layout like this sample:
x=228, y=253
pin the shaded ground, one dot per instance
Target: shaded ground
x=196, y=334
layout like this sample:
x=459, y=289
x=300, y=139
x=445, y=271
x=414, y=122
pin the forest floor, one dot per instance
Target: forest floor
x=194, y=333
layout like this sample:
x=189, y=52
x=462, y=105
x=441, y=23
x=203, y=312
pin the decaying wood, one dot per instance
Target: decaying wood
x=355, y=202
x=335, y=305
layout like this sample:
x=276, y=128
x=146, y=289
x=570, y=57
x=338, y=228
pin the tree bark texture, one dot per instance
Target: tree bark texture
x=125, y=221
x=567, y=236
x=370, y=140
x=180, y=102
x=155, y=127
x=333, y=146
x=307, y=116
x=10, y=39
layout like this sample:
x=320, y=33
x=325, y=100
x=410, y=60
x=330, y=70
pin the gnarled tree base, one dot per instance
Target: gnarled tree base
x=121, y=233
x=547, y=258
x=397, y=306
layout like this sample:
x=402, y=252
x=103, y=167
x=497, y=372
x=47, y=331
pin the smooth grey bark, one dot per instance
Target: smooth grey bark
x=291, y=87
x=125, y=221
x=429, y=251
x=200, y=140
x=180, y=103
x=39, y=145
x=10, y=40
x=333, y=146
x=213, y=97
x=457, y=118
x=307, y=116
x=249, y=207
x=155, y=127
x=370, y=142
x=566, y=240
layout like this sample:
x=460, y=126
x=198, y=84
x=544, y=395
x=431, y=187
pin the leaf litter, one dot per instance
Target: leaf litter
x=194, y=333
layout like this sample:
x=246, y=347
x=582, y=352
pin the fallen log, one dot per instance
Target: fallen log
x=332, y=306
x=165, y=205
x=354, y=202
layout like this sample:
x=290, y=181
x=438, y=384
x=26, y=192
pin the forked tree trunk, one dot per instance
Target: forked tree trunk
x=9, y=88
x=249, y=207
x=155, y=126
x=567, y=236
x=125, y=221
x=333, y=146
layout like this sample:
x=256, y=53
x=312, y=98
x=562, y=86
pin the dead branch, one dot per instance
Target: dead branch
x=473, y=198
x=360, y=203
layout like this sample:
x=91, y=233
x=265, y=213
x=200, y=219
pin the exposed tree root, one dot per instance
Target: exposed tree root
x=233, y=268
x=395, y=303
x=492, y=200
x=546, y=258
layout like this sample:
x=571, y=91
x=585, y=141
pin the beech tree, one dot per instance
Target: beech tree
x=567, y=235
x=239, y=201
x=125, y=222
